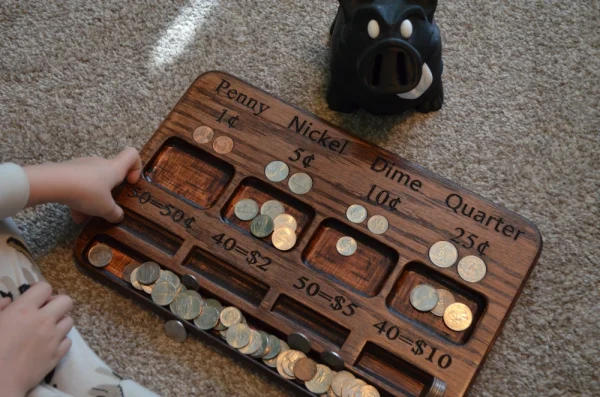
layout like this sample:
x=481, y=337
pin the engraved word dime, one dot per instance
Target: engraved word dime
x=272, y=208
x=203, y=134
x=424, y=297
x=378, y=224
x=262, y=226
x=322, y=380
x=443, y=254
x=458, y=317
x=223, y=145
x=356, y=213
x=285, y=220
x=471, y=268
x=346, y=246
x=246, y=209
x=284, y=239
x=277, y=171
x=100, y=255
x=300, y=183
x=445, y=299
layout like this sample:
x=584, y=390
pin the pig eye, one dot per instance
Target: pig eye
x=406, y=29
x=373, y=29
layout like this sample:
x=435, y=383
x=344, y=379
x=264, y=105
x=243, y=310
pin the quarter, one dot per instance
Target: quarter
x=223, y=145
x=285, y=220
x=443, y=254
x=284, y=239
x=246, y=209
x=346, y=246
x=148, y=273
x=207, y=319
x=321, y=381
x=378, y=224
x=356, y=213
x=445, y=299
x=424, y=297
x=163, y=293
x=300, y=183
x=471, y=268
x=272, y=208
x=238, y=335
x=458, y=317
x=203, y=134
x=262, y=226
x=277, y=171
x=100, y=255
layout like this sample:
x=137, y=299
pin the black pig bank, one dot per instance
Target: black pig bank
x=386, y=57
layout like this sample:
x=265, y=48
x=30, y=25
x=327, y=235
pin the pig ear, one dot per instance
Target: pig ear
x=429, y=6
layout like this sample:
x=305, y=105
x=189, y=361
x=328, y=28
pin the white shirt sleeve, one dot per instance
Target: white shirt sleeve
x=14, y=189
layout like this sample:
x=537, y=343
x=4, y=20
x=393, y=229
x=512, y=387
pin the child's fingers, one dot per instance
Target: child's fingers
x=63, y=327
x=37, y=295
x=58, y=307
x=115, y=214
x=79, y=217
x=4, y=302
x=129, y=164
x=63, y=348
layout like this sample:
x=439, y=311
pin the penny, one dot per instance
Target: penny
x=100, y=255
x=274, y=347
x=445, y=299
x=277, y=171
x=188, y=306
x=272, y=208
x=246, y=209
x=273, y=362
x=262, y=226
x=223, y=145
x=284, y=239
x=238, y=335
x=290, y=359
x=148, y=273
x=134, y=281
x=305, y=369
x=148, y=288
x=128, y=270
x=346, y=246
x=471, y=268
x=424, y=297
x=163, y=293
x=366, y=391
x=349, y=388
x=190, y=281
x=339, y=380
x=285, y=220
x=176, y=331
x=231, y=316
x=171, y=277
x=458, y=317
x=356, y=213
x=264, y=345
x=321, y=381
x=281, y=360
x=253, y=343
x=443, y=254
x=378, y=224
x=207, y=319
x=214, y=303
x=203, y=134
x=300, y=183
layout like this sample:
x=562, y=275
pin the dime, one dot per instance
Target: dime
x=366, y=391
x=207, y=319
x=100, y=255
x=148, y=288
x=203, y=134
x=231, y=316
x=305, y=369
x=321, y=381
x=443, y=254
x=253, y=344
x=458, y=317
x=262, y=226
x=445, y=299
x=272, y=208
x=190, y=281
x=285, y=220
x=339, y=380
x=264, y=345
x=223, y=145
x=171, y=277
x=277, y=171
x=246, y=209
x=349, y=388
x=176, y=331
x=134, y=281
x=356, y=213
x=187, y=306
x=238, y=335
x=148, y=273
x=424, y=297
x=274, y=347
x=378, y=224
x=214, y=303
x=346, y=246
x=284, y=239
x=281, y=359
x=273, y=362
x=128, y=270
x=300, y=183
x=290, y=359
x=163, y=293
x=471, y=268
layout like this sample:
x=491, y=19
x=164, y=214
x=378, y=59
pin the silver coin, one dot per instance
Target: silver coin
x=351, y=386
x=272, y=208
x=424, y=297
x=148, y=288
x=262, y=226
x=207, y=319
x=264, y=345
x=277, y=171
x=282, y=360
x=253, y=345
x=188, y=306
x=471, y=268
x=443, y=254
x=366, y=391
x=378, y=224
x=148, y=273
x=445, y=299
x=346, y=246
x=238, y=336
x=321, y=381
x=272, y=363
x=356, y=213
x=163, y=293
x=128, y=270
x=100, y=255
x=134, y=281
x=169, y=276
x=214, y=303
x=176, y=331
x=246, y=209
x=231, y=316
x=275, y=347
x=223, y=334
x=339, y=380
x=196, y=293
x=288, y=363
x=300, y=183
x=285, y=220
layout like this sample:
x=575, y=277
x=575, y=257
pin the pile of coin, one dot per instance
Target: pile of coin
x=470, y=268
x=272, y=220
x=440, y=302
x=278, y=171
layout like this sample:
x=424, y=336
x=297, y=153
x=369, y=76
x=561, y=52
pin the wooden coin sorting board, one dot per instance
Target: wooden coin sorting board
x=180, y=214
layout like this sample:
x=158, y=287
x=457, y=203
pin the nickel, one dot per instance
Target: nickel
x=272, y=208
x=163, y=293
x=378, y=224
x=445, y=299
x=100, y=255
x=471, y=268
x=300, y=183
x=238, y=335
x=208, y=318
x=246, y=209
x=148, y=273
x=458, y=317
x=284, y=239
x=424, y=297
x=262, y=226
x=356, y=213
x=346, y=246
x=443, y=254
x=277, y=171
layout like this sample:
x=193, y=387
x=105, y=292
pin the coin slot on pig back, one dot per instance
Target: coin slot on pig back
x=416, y=273
x=365, y=271
x=261, y=192
x=189, y=173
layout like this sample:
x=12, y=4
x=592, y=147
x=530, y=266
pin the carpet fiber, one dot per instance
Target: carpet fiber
x=519, y=126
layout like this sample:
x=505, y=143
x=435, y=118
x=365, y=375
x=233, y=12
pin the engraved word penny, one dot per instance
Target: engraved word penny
x=471, y=268
x=443, y=254
x=203, y=134
x=223, y=145
x=277, y=171
x=458, y=317
x=424, y=297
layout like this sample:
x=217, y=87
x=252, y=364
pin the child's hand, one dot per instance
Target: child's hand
x=84, y=184
x=34, y=337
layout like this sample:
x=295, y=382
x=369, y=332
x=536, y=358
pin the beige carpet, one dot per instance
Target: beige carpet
x=520, y=126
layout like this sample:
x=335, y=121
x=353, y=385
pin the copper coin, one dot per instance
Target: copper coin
x=203, y=134
x=305, y=369
x=223, y=145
